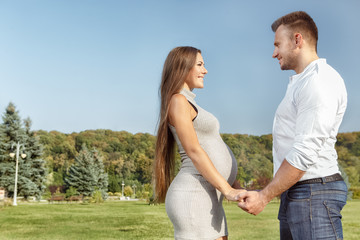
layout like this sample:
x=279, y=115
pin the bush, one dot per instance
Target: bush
x=356, y=192
x=7, y=202
x=71, y=192
x=46, y=194
x=97, y=197
x=128, y=192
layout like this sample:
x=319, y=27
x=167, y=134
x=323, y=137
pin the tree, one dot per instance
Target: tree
x=113, y=179
x=81, y=174
x=100, y=175
x=12, y=133
x=34, y=152
x=87, y=174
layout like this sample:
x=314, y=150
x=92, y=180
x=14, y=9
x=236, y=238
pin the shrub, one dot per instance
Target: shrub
x=7, y=202
x=356, y=192
x=97, y=197
x=46, y=195
x=71, y=192
x=128, y=192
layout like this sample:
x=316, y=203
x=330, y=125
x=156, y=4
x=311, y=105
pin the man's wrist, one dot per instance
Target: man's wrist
x=265, y=196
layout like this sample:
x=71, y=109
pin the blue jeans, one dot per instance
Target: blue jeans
x=312, y=211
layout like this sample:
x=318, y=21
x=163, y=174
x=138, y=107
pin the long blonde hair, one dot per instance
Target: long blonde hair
x=176, y=68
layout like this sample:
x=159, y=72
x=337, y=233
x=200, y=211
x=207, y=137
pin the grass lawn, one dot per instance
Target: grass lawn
x=137, y=220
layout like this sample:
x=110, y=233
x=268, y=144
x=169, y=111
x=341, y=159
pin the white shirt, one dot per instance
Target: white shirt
x=307, y=121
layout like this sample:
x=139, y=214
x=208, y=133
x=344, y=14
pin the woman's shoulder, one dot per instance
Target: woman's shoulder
x=178, y=100
x=180, y=108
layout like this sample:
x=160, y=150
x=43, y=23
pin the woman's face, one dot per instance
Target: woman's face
x=196, y=75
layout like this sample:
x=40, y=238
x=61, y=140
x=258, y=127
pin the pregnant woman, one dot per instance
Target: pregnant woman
x=193, y=199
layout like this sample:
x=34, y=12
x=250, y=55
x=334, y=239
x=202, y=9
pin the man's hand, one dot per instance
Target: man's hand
x=252, y=202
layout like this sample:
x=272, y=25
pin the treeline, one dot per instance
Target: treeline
x=128, y=157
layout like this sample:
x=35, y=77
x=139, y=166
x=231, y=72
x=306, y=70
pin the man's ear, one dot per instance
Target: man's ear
x=298, y=40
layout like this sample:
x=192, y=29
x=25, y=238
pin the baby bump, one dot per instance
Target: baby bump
x=223, y=159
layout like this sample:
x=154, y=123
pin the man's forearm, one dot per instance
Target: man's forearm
x=285, y=177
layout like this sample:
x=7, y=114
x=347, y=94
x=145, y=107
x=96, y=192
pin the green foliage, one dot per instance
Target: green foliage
x=355, y=192
x=114, y=181
x=100, y=175
x=87, y=173
x=58, y=178
x=31, y=169
x=46, y=194
x=254, y=158
x=125, y=155
x=34, y=159
x=71, y=191
x=146, y=192
x=128, y=157
x=128, y=192
x=81, y=174
x=97, y=197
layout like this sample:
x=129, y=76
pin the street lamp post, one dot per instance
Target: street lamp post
x=122, y=190
x=12, y=155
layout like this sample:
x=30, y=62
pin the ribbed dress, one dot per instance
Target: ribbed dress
x=193, y=205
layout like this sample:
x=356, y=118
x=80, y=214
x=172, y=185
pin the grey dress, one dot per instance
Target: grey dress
x=193, y=205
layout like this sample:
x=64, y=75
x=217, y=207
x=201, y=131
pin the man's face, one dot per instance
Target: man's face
x=284, y=49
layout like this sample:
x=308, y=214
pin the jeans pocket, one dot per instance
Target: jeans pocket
x=300, y=193
x=333, y=209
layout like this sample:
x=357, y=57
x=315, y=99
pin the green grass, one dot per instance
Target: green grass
x=137, y=220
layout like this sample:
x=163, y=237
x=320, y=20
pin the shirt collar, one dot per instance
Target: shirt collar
x=308, y=69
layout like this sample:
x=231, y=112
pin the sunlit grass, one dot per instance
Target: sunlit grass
x=137, y=220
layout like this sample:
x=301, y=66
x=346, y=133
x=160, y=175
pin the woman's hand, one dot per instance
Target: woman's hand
x=234, y=194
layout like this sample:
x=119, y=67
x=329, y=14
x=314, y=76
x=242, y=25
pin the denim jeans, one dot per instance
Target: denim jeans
x=312, y=211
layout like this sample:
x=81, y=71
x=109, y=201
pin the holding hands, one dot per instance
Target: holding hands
x=235, y=194
x=252, y=202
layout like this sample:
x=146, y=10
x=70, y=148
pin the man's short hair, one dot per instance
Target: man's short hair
x=299, y=22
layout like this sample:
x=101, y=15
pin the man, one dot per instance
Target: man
x=306, y=123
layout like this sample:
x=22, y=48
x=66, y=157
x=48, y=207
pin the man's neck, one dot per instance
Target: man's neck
x=305, y=60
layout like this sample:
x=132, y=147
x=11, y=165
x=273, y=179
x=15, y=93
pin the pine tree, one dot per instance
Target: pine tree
x=82, y=175
x=12, y=133
x=101, y=176
x=113, y=180
x=36, y=163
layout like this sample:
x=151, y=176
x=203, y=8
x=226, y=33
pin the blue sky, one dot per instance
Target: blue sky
x=77, y=65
